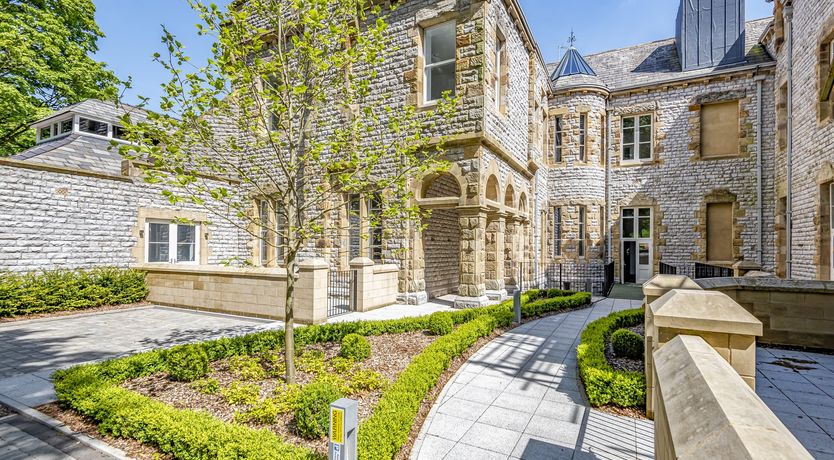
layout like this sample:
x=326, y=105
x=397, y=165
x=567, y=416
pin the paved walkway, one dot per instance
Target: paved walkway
x=799, y=388
x=519, y=397
x=23, y=438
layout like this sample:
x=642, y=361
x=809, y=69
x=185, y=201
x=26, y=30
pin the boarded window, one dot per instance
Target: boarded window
x=719, y=129
x=720, y=232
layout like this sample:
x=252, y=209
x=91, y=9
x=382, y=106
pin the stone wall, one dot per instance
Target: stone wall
x=793, y=312
x=813, y=134
x=61, y=218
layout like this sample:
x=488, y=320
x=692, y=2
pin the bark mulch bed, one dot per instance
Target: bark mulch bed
x=58, y=314
x=390, y=355
x=80, y=424
x=4, y=411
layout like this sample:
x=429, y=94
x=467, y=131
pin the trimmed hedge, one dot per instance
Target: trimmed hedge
x=187, y=363
x=440, y=324
x=602, y=383
x=627, y=344
x=355, y=347
x=29, y=293
x=93, y=389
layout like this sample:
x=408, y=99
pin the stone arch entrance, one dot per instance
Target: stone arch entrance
x=441, y=239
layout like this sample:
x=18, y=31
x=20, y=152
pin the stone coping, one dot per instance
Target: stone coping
x=386, y=268
x=711, y=412
x=661, y=284
x=215, y=270
x=762, y=283
x=708, y=311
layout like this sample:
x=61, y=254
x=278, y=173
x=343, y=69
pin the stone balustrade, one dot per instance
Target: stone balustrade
x=705, y=410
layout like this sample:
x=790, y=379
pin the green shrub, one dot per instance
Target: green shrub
x=246, y=368
x=187, y=363
x=440, y=323
x=312, y=417
x=602, y=383
x=29, y=293
x=355, y=347
x=312, y=361
x=342, y=365
x=627, y=344
x=263, y=412
x=364, y=380
x=286, y=397
x=206, y=386
x=241, y=394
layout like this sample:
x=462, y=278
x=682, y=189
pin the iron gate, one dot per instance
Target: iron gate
x=341, y=292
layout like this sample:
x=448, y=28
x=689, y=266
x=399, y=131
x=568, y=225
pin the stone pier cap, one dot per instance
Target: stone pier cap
x=658, y=285
x=706, y=311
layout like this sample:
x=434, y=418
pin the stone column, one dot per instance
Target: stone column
x=311, y=291
x=364, y=268
x=495, y=257
x=472, y=288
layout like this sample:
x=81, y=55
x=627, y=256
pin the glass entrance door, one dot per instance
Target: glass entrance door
x=636, y=231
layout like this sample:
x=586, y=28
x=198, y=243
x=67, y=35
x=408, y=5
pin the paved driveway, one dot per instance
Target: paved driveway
x=518, y=397
x=31, y=350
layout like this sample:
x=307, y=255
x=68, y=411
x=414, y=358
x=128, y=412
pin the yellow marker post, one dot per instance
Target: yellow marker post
x=343, y=424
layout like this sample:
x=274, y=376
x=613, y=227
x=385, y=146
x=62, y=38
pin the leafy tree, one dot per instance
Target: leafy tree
x=289, y=105
x=45, y=63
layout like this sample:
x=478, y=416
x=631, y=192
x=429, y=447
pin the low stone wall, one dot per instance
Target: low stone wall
x=705, y=410
x=793, y=312
x=376, y=285
x=256, y=292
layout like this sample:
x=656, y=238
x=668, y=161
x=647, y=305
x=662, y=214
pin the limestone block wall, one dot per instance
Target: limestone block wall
x=813, y=135
x=676, y=182
x=59, y=218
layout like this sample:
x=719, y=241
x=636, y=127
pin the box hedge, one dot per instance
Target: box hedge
x=603, y=384
x=93, y=389
x=29, y=293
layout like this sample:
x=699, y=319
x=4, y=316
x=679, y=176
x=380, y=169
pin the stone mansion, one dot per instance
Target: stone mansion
x=715, y=146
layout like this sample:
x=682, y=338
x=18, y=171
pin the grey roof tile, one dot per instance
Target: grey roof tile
x=76, y=151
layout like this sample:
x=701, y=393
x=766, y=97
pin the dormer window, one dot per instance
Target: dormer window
x=119, y=132
x=46, y=132
x=86, y=125
x=66, y=126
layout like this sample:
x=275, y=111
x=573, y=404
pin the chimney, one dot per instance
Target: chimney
x=710, y=33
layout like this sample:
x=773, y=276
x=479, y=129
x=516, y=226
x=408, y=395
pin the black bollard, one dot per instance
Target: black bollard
x=517, y=305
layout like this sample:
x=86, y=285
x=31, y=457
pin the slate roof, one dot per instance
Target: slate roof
x=76, y=151
x=573, y=71
x=101, y=110
x=655, y=62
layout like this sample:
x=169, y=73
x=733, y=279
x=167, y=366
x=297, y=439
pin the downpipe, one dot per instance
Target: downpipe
x=789, y=156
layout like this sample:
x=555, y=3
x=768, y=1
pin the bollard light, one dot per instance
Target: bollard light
x=517, y=305
x=343, y=427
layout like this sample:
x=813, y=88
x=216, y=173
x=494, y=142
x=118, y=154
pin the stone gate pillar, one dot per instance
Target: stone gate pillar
x=472, y=288
x=495, y=287
x=512, y=230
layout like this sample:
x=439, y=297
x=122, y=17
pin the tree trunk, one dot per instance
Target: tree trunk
x=289, y=333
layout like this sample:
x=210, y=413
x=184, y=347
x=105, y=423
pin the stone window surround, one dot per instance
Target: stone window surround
x=364, y=230
x=272, y=259
x=500, y=77
x=616, y=144
x=569, y=228
x=144, y=215
x=822, y=221
x=569, y=119
x=825, y=71
x=719, y=196
x=746, y=131
x=416, y=75
x=552, y=115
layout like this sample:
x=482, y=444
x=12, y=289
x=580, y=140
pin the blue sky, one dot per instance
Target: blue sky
x=132, y=29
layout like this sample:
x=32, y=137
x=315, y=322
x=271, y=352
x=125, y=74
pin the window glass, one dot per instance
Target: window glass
x=628, y=227
x=643, y=254
x=557, y=153
x=499, y=90
x=280, y=234
x=354, y=237
x=92, y=126
x=582, y=232
x=66, y=126
x=637, y=138
x=119, y=132
x=583, y=121
x=375, y=228
x=629, y=212
x=439, y=55
x=158, y=242
x=46, y=132
x=557, y=231
x=263, y=215
x=186, y=243
x=645, y=227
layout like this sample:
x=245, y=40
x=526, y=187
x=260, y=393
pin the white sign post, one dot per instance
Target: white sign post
x=343, y=425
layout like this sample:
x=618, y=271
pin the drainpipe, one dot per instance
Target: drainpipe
x=610, y=225
x=789, y=198
x=759, y=211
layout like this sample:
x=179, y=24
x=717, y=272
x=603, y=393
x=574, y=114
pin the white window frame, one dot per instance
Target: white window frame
x=583, y=224
x=500, y=45
x=583, y=137
x=637, y=140
x=172, y=242
x=427, y=32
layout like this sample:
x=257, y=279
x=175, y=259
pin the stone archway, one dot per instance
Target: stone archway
x=441, y=239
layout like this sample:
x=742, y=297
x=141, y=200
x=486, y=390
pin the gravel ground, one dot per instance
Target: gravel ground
x=625, y=364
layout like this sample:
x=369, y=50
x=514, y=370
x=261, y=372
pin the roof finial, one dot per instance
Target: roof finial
x=572, y=38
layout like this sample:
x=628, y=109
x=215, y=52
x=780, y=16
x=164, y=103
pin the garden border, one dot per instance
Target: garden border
x=93, y=389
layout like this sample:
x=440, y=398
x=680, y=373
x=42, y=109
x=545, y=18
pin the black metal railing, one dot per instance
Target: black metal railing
x=341, y=292
x=581, y=276
x=711, y=271
x=666, y=269
x=609, y=279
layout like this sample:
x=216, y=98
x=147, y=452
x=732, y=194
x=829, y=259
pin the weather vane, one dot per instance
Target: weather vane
x=572, y=38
